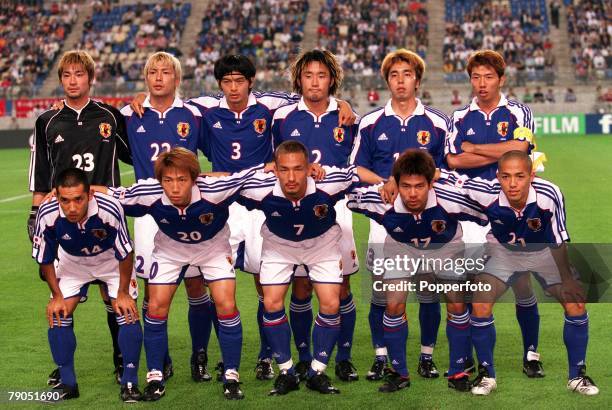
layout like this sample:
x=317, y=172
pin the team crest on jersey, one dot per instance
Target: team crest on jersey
x=100, y=233
x=259, y=125
x=320, y=211
x=339, y=134
x=105, y=129
x=535, y=224
x=438, y=225
x=423, y=137
x=502, y=128
x=183, y=128
x=207, y=219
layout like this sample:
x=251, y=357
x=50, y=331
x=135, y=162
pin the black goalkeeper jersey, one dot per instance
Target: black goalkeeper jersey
x=91, y=140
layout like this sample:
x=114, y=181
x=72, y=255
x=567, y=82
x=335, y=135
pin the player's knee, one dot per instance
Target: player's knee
x=273, y=304
x=574, y=309
x=455, y=308
x=329, y=307
x=195, y=287
x=226, y=306
x=302, y=288
x=482, y=309
x=157, y=309
x=394, y=308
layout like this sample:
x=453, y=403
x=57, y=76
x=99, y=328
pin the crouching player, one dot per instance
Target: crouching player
x=422, y=223
x=301, y=229
x=191, y=213
x=88, y=233
x=528, y=234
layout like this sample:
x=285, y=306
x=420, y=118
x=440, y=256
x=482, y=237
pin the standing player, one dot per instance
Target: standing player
x=301, y=229
x=191, y=214
x=167, y=122
x=88, y=233
x=528, y=234
x=403, y=123
x=421, y=223
x=238, y=137
x=482, y=132
x=85, y=134
x=313, y=121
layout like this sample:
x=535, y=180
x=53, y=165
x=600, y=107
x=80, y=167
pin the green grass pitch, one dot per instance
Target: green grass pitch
x=581, y=166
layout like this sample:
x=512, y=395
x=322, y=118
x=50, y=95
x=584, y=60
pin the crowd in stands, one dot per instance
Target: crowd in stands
x=362, y=32
x=267, y=31
x=589, y=24
x=518, y=29
x=31, y=36
x=120, y=38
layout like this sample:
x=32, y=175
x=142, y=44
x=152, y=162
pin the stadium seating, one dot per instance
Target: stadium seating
x=517, y=28
x=588, y=24
x=362, y=32
x=267, y=31
x=121, y=37
x=31, y=37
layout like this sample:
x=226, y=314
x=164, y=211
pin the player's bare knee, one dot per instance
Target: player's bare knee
x=482, y=309
x=574, y=309
x=394, y=308
x=226, y=307
x=329, y=307
x=455, y=308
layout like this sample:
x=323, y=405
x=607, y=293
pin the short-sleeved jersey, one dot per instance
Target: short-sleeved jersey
x=92, y=140
x=540, y=223
x=201, y=220
x=103, y=229
x=308, y=218
x=383, y=136
x=237, y=141
x=156, y=132
x=435, y=226
x=327, y=143
x=473, y=125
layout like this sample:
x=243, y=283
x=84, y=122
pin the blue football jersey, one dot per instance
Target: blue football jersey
x=327, y=143
x=104, y=228
x=237, y=141
x=308, y=218
x=435, y=226
x=156, y=132
x=473, y=125
x=538, y=225
x=383, y=136
x=201, y=220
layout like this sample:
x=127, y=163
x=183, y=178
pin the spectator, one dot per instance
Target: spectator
x=570, y=97
x=510, y=94
x=527, y=97
x=455, y=99
x=373, y=97
x=538, y=95
x=550, y=96
x=555, y=6
x=426, y=98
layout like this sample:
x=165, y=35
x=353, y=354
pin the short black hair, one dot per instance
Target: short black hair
x=414, y=162
x=72, y=177
x=291, y=147
x=515, y=154
x=234, y=63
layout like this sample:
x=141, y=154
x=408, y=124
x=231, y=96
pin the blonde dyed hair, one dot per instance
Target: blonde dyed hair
x=410, y=57
x=77, y=57
x=163, y=57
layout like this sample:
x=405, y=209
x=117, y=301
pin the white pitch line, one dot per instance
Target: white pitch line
x=15, y=198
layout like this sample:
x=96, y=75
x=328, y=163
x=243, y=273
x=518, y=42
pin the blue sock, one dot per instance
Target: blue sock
x=230, y=340
x=277, y=331
x=265, y=350
x=63, y=344
x=576, y=338
x=200, y=323
x=155, y=341
x=348, y=317
x=483, y=338
x=111, y=321
x=429, y=321
x=130, y=343
x=528, y=318
x=470, y=354
x=324, y=338
x=458, y=334
x=145, y=309
x=300, y=315
x=396, y=336
x=375, y=317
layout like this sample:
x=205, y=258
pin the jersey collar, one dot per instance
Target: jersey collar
x=419, y=109
x=531, y=198
x=400, y=208
x=177, y=103
x=252, y=101
x=332, y=106
x=503, y=101
x=74, y=109
x=196, y=195
x=311, y=188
